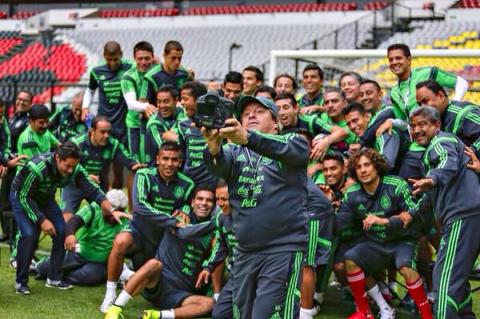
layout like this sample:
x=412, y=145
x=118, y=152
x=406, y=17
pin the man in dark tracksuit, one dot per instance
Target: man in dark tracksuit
x=315, y=125
x=267, y=182
x=167, y=117
x=459, y=118
x=16, y=125
x=98, y=150
x=66, y=122
x=454, y=191
x=169, y=278
x=375, y=203
x=319, y=245
x=393, y=146
x=191, y=139
x=157, y=193
x=170, y=72
x=35, y=209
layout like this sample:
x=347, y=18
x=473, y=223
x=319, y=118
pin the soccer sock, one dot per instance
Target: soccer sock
x=417, y=292
x=357, y=284
x=377, y=296
x=126, y=273
x=111, y=288
x=167, y=314
x=306, y=313
x=123, y=299
x=318, y=296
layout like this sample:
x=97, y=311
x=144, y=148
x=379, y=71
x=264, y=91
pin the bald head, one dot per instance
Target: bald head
x=112, y=48
x=112, y=53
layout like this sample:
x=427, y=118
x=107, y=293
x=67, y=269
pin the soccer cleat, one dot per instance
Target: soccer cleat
x=114, y=312
x=107, y=302
x=387, y=313
x=151, y=314
x=359, y=315
x=22, y=289
x=60, y=284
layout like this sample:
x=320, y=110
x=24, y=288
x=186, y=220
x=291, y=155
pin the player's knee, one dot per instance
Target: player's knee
x=339, y=267
x=408, y=273
x=121, y=243
x=153, y=266
x=208, y=303
x=351, y=266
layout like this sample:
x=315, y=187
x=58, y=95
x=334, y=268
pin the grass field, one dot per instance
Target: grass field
x=83, y=302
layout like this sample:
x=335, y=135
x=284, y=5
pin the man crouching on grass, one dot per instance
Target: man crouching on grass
x=35, y=209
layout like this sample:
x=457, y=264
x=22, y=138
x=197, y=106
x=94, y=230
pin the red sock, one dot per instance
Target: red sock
x=357, y=284
x=417, y=292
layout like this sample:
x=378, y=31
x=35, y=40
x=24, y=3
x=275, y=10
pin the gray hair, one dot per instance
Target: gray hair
x=428, y=112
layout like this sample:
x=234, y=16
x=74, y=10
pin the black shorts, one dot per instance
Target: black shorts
x=142, y=249
x=342, y=248
x=320, y=242
x=373, y=257
x=165, y=295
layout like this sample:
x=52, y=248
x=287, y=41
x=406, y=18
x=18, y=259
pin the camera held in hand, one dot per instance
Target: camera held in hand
x=212, y=111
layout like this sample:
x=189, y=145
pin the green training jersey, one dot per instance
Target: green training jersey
x=403, y=94
x=96, y=236
x=133, y=81
x=32, y=144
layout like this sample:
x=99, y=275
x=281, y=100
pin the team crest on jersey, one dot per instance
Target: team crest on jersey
x=266, y=160
x=241, y=158
x=155, y=188
x=361, y=207
x=385, y=202
x=178, y=192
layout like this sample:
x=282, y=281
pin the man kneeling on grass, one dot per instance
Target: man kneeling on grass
x=169, y=279
x=88, y=240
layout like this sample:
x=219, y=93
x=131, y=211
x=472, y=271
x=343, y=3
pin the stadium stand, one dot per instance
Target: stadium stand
x=210, y=61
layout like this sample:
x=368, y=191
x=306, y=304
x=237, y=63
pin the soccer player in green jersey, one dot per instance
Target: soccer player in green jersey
x=252, y=80
x=403, y=93
x=133, y=89
x=350, y=82
x=312, y=100
x=169, y=72
x=88, y=240
x=106, y=78
x=37, y=139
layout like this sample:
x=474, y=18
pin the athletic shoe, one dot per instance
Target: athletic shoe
x=387, y=313
x=151, y=314
x=22, y=289
x=60, y=284
x=107, y=302
x=114, y=312
x=359, y=315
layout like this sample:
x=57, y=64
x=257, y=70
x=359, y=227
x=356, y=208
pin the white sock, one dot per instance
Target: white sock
x=111, y=288
x=306, y=313
x=167, y=314
x=126, y=273
x=376, y=295
x=122, y=299
x=318, y=296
